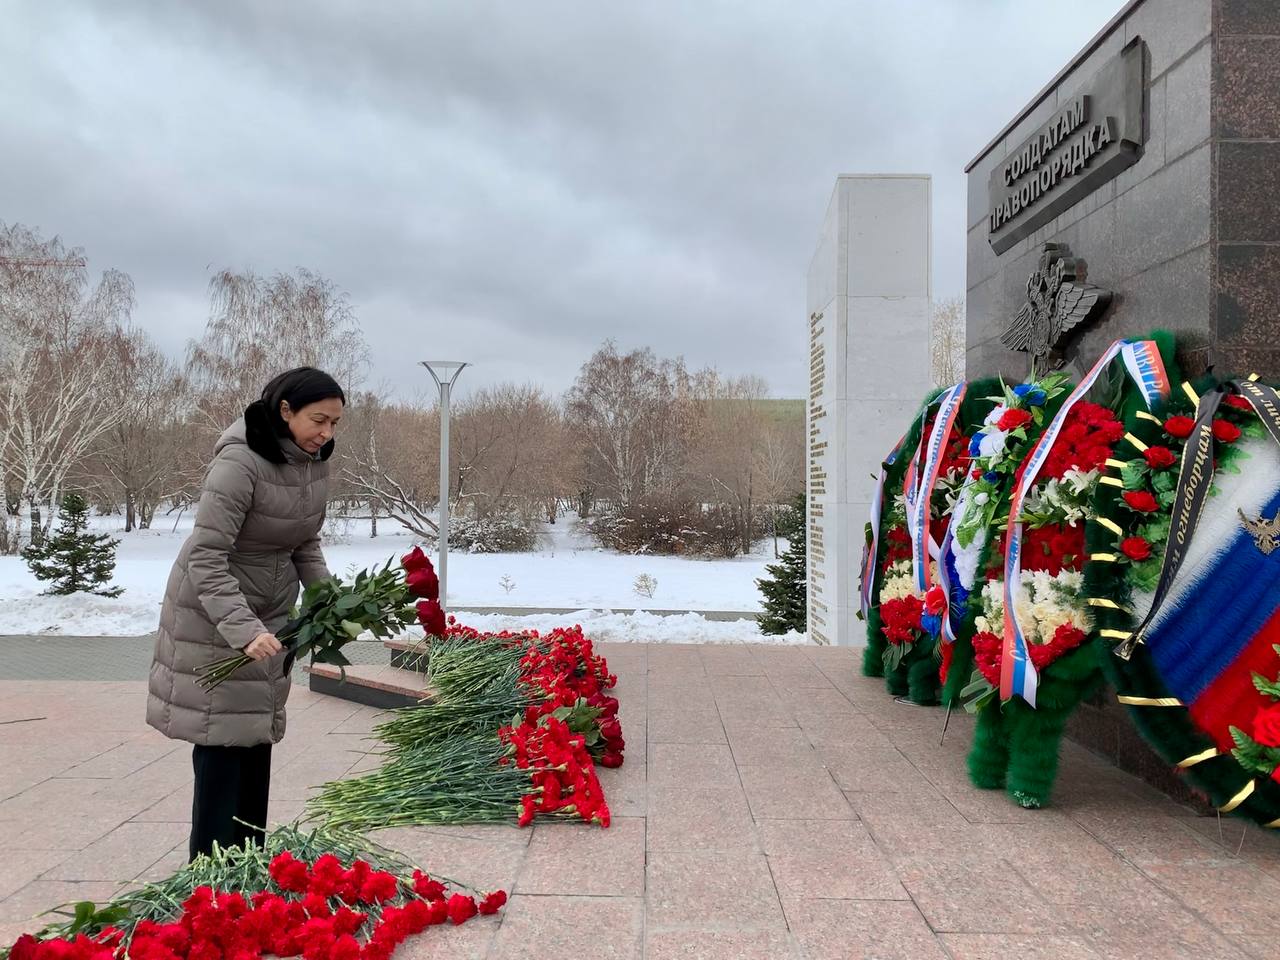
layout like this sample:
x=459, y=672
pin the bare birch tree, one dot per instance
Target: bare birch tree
x=947, y=341
x=55, y=358
x=260, y=326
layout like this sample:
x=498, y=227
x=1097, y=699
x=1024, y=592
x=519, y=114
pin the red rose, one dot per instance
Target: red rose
x=1159, y=457
x=1266, y=726
x=1135, y=548
x=462, y=908
x=610, y=729
x=493, y=902
x=415, y=559
x=1141, y=500
x=1224, y=431
x=1013, y=419
x=424, y=583
x=1239, y=402
x=431, y=616
x=935, y=601
x=1179, y=427
x=611, y=760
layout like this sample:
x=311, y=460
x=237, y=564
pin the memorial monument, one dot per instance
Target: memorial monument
x=1138, y=190
x=1151, y=162
x=869, y=313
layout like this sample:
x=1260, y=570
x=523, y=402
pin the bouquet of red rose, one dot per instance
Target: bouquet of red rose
x=333, y=613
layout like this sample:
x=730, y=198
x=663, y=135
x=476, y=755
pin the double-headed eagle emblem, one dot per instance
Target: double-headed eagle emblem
x=1265, y=533
x=1058, y=301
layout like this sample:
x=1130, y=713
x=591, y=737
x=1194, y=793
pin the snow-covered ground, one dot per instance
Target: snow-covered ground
x=567, y=571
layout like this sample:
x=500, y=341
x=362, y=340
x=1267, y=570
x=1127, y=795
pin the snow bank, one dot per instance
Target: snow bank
x=566, y=572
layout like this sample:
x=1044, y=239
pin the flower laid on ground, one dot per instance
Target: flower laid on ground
x=515, y=728
x=332, y=613
x=292, y=897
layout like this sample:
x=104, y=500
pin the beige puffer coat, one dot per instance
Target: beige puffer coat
x=257, y=534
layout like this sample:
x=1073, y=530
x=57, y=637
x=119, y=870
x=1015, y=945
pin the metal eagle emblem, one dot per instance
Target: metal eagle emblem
x=1265, y=533
x=1058, y=301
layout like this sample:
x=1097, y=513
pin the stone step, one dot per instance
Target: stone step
x=407, y=655
x=373, y=685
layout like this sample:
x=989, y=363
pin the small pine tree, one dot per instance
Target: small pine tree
x=785, y=590
x=75, y=560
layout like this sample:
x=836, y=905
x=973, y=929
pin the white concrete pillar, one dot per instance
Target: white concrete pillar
x=869, y=295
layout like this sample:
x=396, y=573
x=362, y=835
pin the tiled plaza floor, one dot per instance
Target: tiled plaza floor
x=773, y=805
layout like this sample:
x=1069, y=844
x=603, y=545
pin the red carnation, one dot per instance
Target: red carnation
x=988, y=650
x=1159, y=457
x=1179, y=427
x=1239, y=402
x=424, y=583
x=427, y=888
x=1013, y=419
x=461, y=908
x=289, y=873
x=493, y=902
x=431, y=616
x=1136, y=548
x=379, y=888
x=25, y=948
x=345, y=947
x=1141, y=500
x=1224, y=431
x=1266, y=726
x=415, y=559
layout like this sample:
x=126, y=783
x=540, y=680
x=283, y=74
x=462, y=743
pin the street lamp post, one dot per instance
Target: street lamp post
x=445, y=373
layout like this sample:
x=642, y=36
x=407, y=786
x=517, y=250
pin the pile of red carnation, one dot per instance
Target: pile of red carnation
x=574, y=726
x=988, y=650
x=321, y=911
x=1086, y=440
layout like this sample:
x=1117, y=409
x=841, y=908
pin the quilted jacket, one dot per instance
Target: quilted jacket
x=256, y=537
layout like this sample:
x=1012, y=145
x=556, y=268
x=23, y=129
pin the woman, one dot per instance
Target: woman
x=257, y=534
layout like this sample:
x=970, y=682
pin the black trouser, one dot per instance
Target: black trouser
x=232, y=785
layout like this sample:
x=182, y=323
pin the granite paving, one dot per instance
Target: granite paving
x=773, y=804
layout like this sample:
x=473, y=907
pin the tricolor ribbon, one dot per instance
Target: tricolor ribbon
x=870, y=549
x=1143, y=363
x=944, y=571
x=920, y=490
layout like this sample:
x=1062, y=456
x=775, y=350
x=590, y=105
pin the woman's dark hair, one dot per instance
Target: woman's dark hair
x=264, y=427
x=298, y=387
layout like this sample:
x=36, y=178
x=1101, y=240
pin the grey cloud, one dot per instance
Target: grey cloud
x=510, y=183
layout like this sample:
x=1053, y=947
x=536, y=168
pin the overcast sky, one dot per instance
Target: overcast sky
x=506, y=183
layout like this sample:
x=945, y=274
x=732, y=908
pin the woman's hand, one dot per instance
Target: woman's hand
x=262, y=646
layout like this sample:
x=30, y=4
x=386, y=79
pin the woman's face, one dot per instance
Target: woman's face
x=312, y=426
